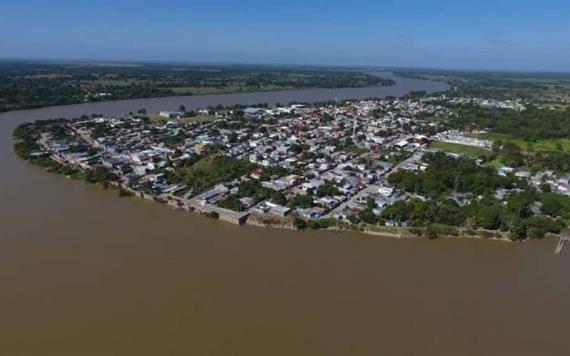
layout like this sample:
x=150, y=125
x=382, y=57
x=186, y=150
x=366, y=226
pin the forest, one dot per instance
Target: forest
x=532, y=124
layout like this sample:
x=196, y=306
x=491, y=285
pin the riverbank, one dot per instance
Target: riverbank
x=186, y=95
x=27, y=85
x=403, y=86
x=276, y=222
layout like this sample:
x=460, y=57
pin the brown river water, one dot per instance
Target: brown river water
x=83, y=272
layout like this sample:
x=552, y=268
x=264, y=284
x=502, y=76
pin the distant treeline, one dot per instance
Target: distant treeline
x=34, y=84
x=531, y=124
x=548, y=88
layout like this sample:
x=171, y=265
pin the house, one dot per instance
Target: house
x=402, y=143
x=312, y=184
x=503, y=171
x=253, y=112
x=170, y=114
x=385, y=191
x=212, y=196
x=247, y=202
x=460, y=199
x=277, y=209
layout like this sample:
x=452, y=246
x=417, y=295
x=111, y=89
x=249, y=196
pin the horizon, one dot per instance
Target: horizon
x=520, y=36
x=119, y=61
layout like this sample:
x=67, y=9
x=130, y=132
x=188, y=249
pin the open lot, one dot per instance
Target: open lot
x=469, y=151
x=540, y=145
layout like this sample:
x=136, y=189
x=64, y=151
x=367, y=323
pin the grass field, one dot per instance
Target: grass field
x=496, y=163
x=212, y=170
x=116, y=82
x=542, y=145
x=197, y=118
x=469, y=151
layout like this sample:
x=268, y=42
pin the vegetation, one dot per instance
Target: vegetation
x=532, y=124
x=26, y=147
x=446, y=175
x=469, y=151
x=36, y=84
x=124, y=193
x=327, y=189
x=232, y=203
x=556, y=205
x=301, y=201
x=253, y=189
x=99, y=174
x=212, y=215
x=547, y=89
x=546, y=145
x=269, y=172
x=213, y=169
x=27, y=134
x=442, y=217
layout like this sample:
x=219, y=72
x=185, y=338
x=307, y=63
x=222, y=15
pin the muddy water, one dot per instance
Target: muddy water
x=83, y=272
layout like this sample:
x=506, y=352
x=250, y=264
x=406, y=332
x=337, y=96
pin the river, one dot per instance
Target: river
x=83, y=272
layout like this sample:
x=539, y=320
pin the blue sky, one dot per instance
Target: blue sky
x=499, y=34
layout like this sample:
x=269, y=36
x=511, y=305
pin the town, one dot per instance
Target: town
x=370, y=165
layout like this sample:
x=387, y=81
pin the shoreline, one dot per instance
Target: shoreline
x=264, y=221
x=187, y=99
x=188, y=95
x=277, y=90
x=123, y=191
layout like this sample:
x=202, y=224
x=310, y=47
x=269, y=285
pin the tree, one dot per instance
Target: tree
x=327, y=189
x=552, y=205
x=368, y=216
x=212, y=215
x=301, y=201
x=279, y=198
x=299, y=223
x=512, y=155
x=296, y=149
x=489, y=217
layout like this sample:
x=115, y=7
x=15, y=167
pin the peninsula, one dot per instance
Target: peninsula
x=437, y=165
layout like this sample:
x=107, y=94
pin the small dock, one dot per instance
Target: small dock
x=562, y=241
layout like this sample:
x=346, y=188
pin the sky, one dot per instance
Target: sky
x=486, y=35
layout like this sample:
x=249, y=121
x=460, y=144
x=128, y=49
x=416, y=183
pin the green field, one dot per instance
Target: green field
x=469, y=151
x=156, y=118
x=197, y=118
x=541, y=145
x=117, y=82
x=230, y=88
x=496, y=163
